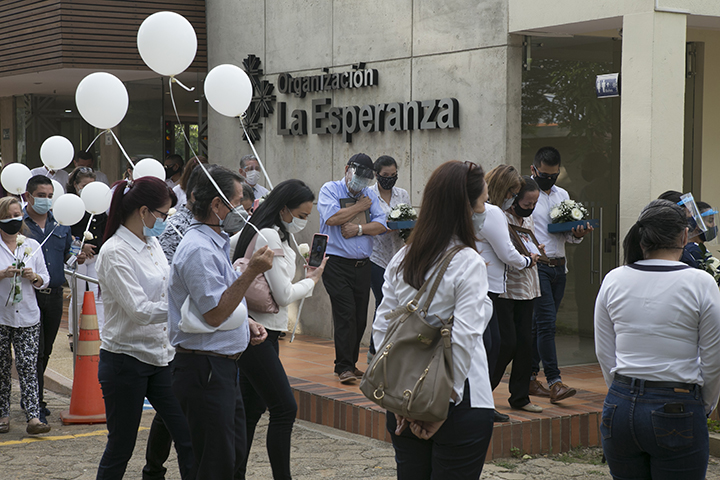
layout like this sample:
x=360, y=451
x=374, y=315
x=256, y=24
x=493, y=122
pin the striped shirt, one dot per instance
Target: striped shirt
x=521, y=284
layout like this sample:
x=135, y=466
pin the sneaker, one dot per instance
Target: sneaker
x=559, y=391
x=538, y=389
x=532, y=408
x=348, y=376
x=500, y=417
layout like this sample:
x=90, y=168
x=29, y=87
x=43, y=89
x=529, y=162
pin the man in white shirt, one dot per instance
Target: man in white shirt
x=251, y=171
x=545, y=171
x=86, y=159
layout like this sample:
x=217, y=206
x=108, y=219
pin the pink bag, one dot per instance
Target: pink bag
x=258, y=295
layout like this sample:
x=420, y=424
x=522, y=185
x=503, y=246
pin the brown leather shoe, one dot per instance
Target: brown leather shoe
x=358, y=373
x=559, y=391
x=36, y=428
x=348, y=376
x=538, y=389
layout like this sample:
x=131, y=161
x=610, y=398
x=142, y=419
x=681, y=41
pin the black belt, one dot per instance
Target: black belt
x=556, y=262
x=48, y=291
x=652, y=384
x=180, y=349
x=357, y=263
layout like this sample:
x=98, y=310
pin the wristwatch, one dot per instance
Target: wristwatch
x=359, y=231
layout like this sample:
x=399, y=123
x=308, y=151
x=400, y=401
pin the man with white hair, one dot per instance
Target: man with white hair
x=250, y=169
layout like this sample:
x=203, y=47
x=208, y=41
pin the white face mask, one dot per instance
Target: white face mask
x=508, y=203
x=253, y=177
x=296, y=226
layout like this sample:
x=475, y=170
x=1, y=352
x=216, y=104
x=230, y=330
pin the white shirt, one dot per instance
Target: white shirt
x=462, y=293
x=497, y=249
x=259, y=191
x=554, y=242
x=170, y=183
x=660, y=326
x=385, y=246
x=60, y=176
x=134, y=278
x=279, y=279
x=25, y=313
x=180, y=194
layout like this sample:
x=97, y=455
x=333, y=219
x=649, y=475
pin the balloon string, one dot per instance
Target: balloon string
x=175, y=80
x=93, y=142
x=262, y=167
x=121, y=147
x=212, y=180
x=177, y=231
x=45, y=240
x=87, y=229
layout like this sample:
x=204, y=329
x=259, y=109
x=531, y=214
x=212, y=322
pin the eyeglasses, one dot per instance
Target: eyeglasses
x=549, y=176
x=251, y=169
x=164, y=214
x=362, y=170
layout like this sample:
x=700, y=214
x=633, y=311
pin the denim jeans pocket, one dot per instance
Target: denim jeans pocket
x=606, y=422
x=673, y=431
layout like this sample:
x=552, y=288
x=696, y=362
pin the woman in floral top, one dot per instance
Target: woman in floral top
x=387, y=245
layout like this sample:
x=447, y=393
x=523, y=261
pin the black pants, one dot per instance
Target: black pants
x=209, y=394
x=51, y=310
x=349, y=288
x=264, y=384
x=125, y=382
x=456, y=451
x=377, y=279
x=491, y=336
x=515, y=346
x=157, y=450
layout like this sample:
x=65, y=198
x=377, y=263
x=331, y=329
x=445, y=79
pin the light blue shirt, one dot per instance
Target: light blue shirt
x=328, y=205
x=201, y=268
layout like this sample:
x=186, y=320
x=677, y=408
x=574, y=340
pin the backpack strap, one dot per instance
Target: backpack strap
x=251, y=248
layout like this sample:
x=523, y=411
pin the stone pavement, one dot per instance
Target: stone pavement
x=73, y=452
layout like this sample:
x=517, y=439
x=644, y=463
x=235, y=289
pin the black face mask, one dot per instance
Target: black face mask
x=11, y=226
x=387, y=182
x=544, y=183
x=709, y=235
x=170, y=171
x=522, y=212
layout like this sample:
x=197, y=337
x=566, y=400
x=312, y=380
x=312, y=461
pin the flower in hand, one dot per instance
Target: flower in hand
x=304, y=250
x=20, y=239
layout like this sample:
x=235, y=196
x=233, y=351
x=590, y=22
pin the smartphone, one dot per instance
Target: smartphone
x=674, y=408
x=317, y=250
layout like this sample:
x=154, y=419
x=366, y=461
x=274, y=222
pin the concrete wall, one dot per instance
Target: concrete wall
x=7, y=121
x=422, y=49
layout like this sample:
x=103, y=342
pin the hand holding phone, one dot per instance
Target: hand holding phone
x=317, y=250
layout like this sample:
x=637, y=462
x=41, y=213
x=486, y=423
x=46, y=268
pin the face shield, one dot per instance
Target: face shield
x=360, y=178
x=709, y=218
x=696, y=225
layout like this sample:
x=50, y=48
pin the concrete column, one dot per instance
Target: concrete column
x=112, y=159
x=7, y=129
x=652, y=110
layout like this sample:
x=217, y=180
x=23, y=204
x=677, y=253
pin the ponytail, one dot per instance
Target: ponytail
x=660, y=227
x=631, y=245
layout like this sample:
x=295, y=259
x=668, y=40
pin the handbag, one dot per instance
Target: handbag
x=258, y=295
x=412, y=372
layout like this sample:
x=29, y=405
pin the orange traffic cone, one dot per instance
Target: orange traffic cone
x=86, y=403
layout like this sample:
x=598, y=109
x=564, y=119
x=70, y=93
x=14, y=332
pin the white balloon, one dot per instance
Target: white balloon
x=228, y=90
x=14, y=178
x=149, y=167
x=56, y=152
x=69, y=209
x=97, y=197
x=167, y=43
x=102, y=100
x=58, y=191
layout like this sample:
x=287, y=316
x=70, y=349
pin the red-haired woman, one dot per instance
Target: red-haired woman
x=135, y=351
x=452, y=211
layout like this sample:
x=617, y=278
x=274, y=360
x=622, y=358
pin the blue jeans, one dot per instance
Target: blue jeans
x=552, y=286
x=641, y=440
x=377, y=278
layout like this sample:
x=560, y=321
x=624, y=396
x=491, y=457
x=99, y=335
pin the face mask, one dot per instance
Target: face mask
x=507, y=203
x=522, y=212
x=387, y=182
x=157, y=229
x=544, y=183
x=11, y=226
x=709, y=235
x=235, y=220
x=253, y=177
x=296, y=226
x=170, y=171
x=478, y=220
x=42, y=205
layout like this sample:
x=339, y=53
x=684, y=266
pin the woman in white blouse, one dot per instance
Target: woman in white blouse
x=135, y=352
x=657, y=339
x=263, y=381
x=453, y=208
x=497, y=249
x=385, y=246
x=20, y=316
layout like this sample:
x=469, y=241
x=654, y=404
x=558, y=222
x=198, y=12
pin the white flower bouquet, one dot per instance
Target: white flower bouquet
x=16, y=295
x=402, y=217
x=567, y=215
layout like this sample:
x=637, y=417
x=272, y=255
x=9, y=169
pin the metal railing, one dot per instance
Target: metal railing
x=74, y=314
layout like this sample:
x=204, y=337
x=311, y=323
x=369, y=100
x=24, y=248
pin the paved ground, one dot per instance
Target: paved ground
x=73, y=452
